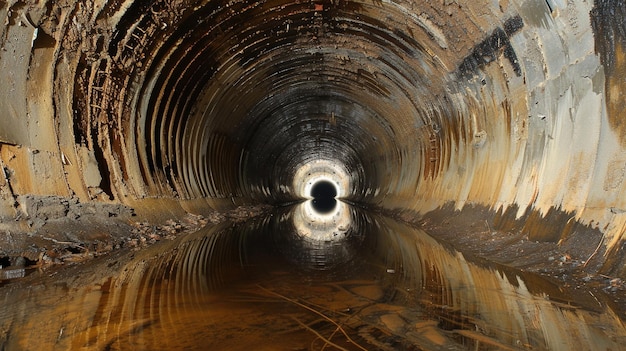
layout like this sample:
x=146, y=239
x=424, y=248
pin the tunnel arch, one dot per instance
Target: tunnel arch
x=185, y=106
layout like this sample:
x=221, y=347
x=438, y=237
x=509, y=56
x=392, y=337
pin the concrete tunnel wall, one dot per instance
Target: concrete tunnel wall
x=174, y=106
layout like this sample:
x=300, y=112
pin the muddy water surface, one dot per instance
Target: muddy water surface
x=348, y=280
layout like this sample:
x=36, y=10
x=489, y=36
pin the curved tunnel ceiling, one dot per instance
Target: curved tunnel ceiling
x=268, y=87
x=513, y=104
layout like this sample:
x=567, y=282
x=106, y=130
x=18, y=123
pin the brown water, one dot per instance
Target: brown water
x=371, y=284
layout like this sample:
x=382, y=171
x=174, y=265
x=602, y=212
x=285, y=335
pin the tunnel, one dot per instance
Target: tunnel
x=493, y=126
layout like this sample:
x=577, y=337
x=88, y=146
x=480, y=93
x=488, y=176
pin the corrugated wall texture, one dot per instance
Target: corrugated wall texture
x=206, y=104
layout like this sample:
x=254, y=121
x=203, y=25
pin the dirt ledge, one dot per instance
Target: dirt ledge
x=50, y=231
x=574, y=261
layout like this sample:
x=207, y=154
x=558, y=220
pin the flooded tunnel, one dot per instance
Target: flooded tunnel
x=437, y=175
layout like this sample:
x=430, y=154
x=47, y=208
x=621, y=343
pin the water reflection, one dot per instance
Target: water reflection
x=331, y=225
x=270, y=285
x=314, y=241
x=324, y=205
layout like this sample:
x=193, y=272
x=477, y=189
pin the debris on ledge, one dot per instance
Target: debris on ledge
x=58, y=237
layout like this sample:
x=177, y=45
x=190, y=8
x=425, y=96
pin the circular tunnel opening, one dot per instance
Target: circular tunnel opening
x=323, y=190
x=324, y=194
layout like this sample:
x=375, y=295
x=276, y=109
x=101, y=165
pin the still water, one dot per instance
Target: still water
x=292, y=280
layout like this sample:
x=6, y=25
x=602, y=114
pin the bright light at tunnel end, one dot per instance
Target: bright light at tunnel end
x=311, y=223
x=313, y=172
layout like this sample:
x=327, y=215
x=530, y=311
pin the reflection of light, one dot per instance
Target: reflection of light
x=328, y=226
x=321, y=170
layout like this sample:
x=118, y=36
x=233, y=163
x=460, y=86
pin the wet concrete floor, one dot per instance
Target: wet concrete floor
x=344, y=280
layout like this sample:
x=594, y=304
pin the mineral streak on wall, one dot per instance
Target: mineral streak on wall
x=172, y=106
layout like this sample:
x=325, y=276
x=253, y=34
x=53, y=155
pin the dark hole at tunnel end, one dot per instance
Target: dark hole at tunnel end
x=324, y=196
x=323, y=190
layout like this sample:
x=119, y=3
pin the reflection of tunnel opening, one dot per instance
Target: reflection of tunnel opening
x=324, y=204
x=324, y=194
